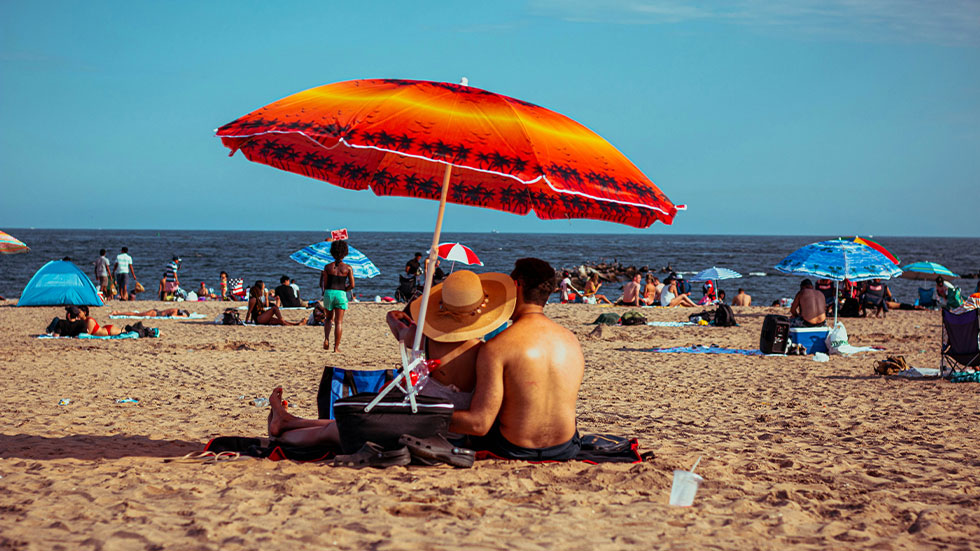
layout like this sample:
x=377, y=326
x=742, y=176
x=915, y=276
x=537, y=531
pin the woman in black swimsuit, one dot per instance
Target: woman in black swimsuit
x=336, y=280
x=259, y=311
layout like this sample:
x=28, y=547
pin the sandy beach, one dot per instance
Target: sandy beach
x=796, y=453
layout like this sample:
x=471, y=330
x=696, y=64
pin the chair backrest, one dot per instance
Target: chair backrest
x=962, y=332
x=925, y=296
x=337, y=383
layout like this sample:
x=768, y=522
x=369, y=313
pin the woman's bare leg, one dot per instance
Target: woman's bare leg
x=338, y=330
x=326, y=330
x=296, y=431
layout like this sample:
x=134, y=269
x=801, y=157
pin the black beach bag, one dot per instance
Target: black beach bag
x=389, y=419
x=724, y=316
x=775, y=334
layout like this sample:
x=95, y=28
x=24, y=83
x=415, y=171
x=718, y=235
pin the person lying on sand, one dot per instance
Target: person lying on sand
x=527, y=379
x=153, y=313
x=93, y=328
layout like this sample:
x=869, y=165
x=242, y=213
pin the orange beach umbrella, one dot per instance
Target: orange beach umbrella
x=451, y=143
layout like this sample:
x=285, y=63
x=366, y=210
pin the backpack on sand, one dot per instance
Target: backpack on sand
x=231, y=317
x=724, y=316
x=633, y=318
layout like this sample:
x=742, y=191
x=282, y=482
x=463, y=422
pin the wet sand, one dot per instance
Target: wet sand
x=796, y=453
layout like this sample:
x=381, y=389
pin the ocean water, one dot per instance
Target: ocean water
x=265, y=256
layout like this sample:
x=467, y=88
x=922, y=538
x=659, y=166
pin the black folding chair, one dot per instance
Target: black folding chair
x=961, y=341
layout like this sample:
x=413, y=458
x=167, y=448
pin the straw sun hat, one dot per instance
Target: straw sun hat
x=467, y=306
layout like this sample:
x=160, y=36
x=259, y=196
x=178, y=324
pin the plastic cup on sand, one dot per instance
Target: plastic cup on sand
x=685, y=486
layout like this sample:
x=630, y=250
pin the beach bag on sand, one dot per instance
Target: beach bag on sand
x=703, y=316
x=606, y=319
x=724, y=316
x=775, y=334
x=231, y=317
x=633, y=318
x=337, y=383
x=836, y=338
x=389, y=419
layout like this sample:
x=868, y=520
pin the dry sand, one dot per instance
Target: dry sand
x=796, y=453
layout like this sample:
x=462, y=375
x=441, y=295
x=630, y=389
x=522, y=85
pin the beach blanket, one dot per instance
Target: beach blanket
x=847, y=349
x=698, y=349
x=918, y=373
x=627, y=452
x=192, y=316
x=964, y=377
x=671, y=323
x=129, y=335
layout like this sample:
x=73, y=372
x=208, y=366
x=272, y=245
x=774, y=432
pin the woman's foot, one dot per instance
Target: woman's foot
x=278, y=416
x=326, y=344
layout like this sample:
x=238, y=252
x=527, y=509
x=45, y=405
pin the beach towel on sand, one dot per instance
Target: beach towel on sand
x=129, y=335
x=698, y=349
x=192, y=316
x=596, y=448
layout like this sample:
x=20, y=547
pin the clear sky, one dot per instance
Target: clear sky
x=811, y=117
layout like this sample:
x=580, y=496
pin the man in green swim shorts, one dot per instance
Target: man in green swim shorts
x=336, y=280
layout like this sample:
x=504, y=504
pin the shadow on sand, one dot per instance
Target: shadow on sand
x=85, y=446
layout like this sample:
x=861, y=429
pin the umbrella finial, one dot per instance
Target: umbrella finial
x=464, y=81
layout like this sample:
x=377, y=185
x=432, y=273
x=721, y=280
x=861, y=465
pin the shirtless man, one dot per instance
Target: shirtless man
x=527, y=379
x=631, y=291
x=742, y=298
x=809, y=305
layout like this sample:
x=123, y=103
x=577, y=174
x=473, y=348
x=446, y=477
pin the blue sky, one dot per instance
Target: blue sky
x=800, y=117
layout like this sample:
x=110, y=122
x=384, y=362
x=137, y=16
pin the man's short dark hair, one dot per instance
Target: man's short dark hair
x=537, y=279
x=283, y=279
x=741, y=290
x=806, y=284
x=338, y=250
x=101, y=252
x=418, y=254
x=125, y=249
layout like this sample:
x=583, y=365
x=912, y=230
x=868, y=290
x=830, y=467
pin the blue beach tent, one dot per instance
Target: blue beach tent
x=57, y=283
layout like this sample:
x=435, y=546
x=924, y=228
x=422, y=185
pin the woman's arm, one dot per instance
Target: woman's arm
x=248, y=312
x=323, y=280
x=350, y=278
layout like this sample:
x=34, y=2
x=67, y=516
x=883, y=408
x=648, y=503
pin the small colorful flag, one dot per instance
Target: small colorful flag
x=338, y=235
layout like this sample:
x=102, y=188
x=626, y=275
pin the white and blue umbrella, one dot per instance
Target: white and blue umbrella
x=926, y=270
x=317, y=256
x=715, y=274
x=839, y=260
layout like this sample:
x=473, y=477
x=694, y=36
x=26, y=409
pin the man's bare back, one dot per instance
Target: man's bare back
x=742, y=299
x=528, y=377
x=542, y=367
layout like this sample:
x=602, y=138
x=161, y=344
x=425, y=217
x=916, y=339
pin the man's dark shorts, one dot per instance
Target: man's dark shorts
x=495, y=443
x=122, y=282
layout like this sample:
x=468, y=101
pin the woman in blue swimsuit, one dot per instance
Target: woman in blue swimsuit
x=336, y=280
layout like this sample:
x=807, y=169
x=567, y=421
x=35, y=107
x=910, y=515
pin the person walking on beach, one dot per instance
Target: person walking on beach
x=508, y=416
x=102, y=274
x=172, y=282
x=336, y=280
x=122, y=269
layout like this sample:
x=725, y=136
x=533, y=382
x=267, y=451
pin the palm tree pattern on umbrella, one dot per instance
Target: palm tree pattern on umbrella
x=507, y=154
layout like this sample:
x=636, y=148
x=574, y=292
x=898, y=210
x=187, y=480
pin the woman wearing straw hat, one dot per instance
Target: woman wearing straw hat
x=462, y=309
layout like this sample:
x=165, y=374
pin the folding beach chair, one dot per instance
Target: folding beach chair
x=337, y=383
x=961, y=341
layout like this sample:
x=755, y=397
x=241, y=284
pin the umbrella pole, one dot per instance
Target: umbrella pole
x=430, y=263
x=415, y=356
x=836, y=299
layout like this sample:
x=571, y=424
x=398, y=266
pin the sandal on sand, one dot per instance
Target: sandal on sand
x=437, y=448
x=373, y=455
x=206, y=458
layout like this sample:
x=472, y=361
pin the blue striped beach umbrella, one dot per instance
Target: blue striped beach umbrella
x=317, y=256
x=926, y=270
x=715, y=274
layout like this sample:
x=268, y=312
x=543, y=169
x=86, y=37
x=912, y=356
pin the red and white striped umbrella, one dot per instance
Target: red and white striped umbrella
x=457, y=252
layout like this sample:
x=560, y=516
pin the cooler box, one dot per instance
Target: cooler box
x=813, y=338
